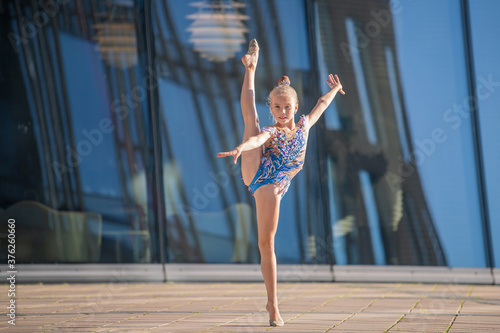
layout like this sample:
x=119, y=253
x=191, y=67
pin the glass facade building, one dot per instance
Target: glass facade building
x=112, y=114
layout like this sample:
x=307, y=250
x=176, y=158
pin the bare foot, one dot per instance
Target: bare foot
x=274, y=313
x=251, y=58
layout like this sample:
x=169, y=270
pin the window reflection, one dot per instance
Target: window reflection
x=359, y=74
x=484, y=25
x=331, y=115
x=217, y=31
x=403, y=138
x=390, y=175
x=373, y=224
x=441, y=139
x=379, y=211
x=80, y=174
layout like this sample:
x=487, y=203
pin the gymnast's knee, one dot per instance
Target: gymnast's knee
x=266, y=246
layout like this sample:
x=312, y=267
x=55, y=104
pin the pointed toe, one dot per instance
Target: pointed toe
x=253, y=46
x=276, y=323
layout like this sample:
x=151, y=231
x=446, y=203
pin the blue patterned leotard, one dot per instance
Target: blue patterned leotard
x=283, y=157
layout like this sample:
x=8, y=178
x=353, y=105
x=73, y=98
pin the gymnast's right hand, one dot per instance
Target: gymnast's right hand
x=235, y=153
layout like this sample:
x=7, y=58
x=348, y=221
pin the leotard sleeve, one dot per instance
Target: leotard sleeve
x=269, y=129
x=303, y=121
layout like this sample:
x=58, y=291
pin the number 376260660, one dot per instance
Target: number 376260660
x=11, y=248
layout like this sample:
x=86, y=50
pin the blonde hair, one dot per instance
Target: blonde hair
x=283, y=88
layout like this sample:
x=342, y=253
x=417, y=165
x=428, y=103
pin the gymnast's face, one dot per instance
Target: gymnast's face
x=283, y=108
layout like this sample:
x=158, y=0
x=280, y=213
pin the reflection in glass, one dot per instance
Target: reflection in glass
x=380, y=214
x=372, y=217
x=439, y=129
x=359, y=73
x=484, y=29
x=80, y=169
x=389, y=58
x=117, y=43
x=331, y=115
x=218, y=30
x=390, y=172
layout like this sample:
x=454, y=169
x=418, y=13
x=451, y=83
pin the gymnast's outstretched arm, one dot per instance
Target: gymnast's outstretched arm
x=325, y=100
x=252, y=143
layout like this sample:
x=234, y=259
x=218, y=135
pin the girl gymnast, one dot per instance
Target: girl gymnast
x=268, y=174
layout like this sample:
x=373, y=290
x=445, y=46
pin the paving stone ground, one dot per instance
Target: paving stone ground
x=240, y=307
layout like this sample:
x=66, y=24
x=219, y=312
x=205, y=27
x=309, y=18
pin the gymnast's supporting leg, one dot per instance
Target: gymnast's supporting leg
x=268, y=201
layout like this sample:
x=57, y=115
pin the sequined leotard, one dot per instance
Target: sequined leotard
x=283, y=157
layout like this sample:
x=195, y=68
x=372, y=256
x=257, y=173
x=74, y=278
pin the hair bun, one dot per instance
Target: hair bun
x=284, y=80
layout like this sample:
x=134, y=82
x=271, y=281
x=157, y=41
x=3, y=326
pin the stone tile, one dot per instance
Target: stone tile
x=180, y=327
x=423, y=323
x=480, y=307
x=312, y=321
x=468, y=320
x=346, y=305
x=485, y=291
x=369, y=321
x=397, y=305
x=453, y=290
x=437, y=306
x=240, y=328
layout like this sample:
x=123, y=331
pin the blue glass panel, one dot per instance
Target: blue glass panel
x=403, y=68
x=485, y=27
x=396, y=101
x=430, y=53
x=80, y=179
x=372, y=217
x=368, y=116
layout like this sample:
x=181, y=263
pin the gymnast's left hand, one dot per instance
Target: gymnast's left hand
x=334, y=82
